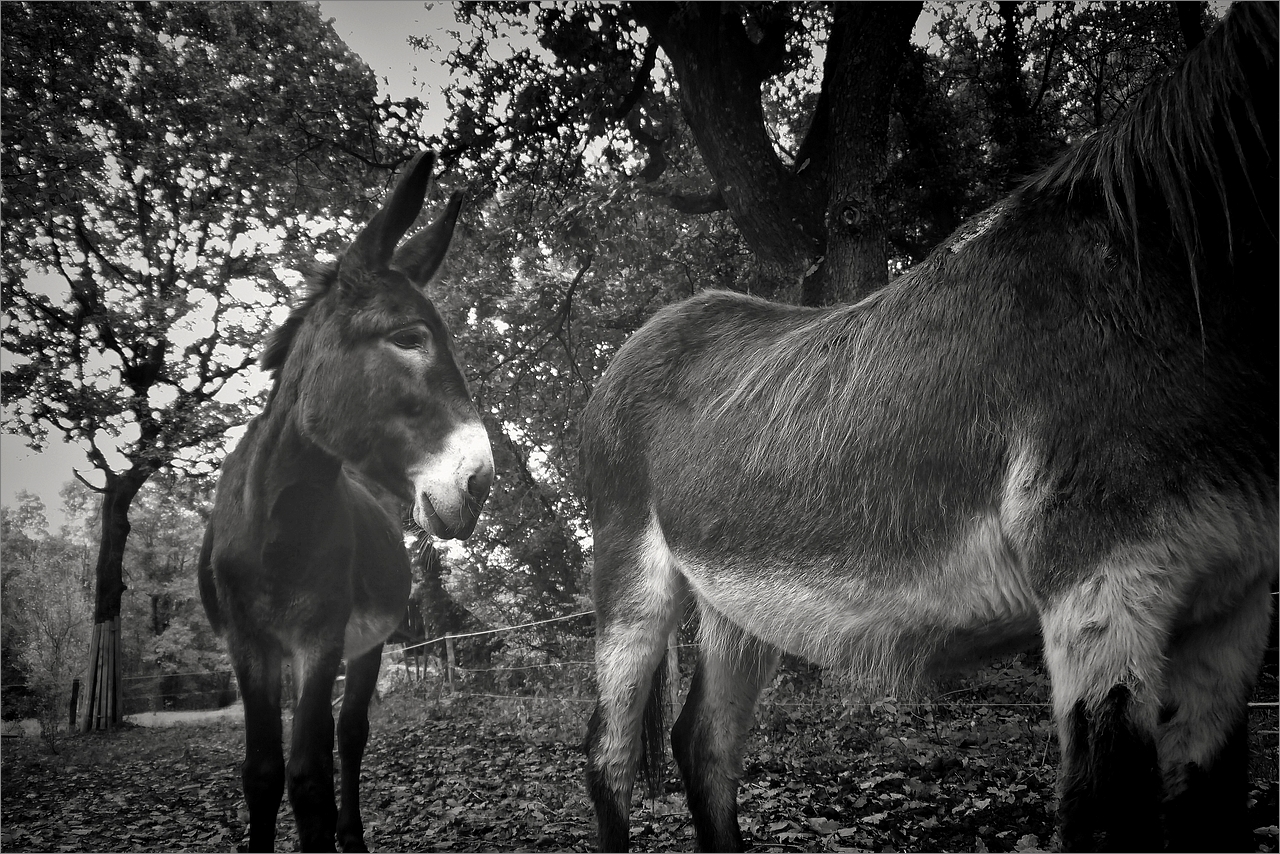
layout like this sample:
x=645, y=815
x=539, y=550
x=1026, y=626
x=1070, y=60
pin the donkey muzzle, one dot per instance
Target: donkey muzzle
x=450, y=489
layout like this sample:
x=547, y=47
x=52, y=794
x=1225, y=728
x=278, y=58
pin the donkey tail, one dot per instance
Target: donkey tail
x=653, y=729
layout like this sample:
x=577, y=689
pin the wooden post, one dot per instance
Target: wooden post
x=453, y=660
x=100, y=706
x=117, y=711
x=118, y=715
x=673, y=674
x=86, y=715
x=75, y=701
x=113, y=679
x=104, y=716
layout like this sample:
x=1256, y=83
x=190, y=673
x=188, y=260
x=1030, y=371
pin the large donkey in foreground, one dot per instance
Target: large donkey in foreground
x=1062, y=423
x=304, y=555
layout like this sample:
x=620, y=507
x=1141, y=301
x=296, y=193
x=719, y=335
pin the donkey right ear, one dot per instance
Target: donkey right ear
x=421, y=255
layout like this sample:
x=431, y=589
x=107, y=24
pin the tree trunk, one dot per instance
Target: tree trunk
x=101, y=709
x=867, y=45
x=818, y=227
x=1015, y=127
x=720, y=71
x=1189, y=22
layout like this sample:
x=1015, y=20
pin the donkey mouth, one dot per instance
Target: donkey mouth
x=425, y=514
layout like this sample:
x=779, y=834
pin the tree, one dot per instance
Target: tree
x=168, y=168
x=805, y=192
x=46, y=613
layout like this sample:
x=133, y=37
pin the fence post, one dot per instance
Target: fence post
x=75, y=701
x=673, y=673
x=453, y=661
x=91, y=676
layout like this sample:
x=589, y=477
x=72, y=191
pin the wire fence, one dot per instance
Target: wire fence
x=455, y=675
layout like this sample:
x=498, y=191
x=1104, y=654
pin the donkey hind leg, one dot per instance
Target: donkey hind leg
x=262, y=775
x=636, y=613
x=1104, y=641
x=353, y=733
x=1203, y=742
x=709, y=736
x=310, y=768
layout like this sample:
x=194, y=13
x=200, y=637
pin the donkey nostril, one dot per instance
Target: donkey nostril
x=478, y=485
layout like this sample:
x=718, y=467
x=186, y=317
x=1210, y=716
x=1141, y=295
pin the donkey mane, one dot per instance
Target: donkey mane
x=318, y=280
x=1169, y=146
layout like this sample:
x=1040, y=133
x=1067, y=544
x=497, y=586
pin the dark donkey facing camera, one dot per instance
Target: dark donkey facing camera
x=304, y=554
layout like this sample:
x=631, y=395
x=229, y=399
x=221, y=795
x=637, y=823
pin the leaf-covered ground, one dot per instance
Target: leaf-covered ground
x=974, y=772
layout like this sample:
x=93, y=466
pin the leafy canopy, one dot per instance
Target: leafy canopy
x=168, y=170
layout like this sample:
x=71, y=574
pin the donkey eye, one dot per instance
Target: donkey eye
x=409, y=339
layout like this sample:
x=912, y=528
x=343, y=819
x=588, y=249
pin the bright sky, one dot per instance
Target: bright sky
x=378, y=31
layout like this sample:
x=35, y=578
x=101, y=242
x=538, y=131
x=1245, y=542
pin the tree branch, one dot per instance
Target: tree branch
x=717, y=66
x=704, y=203
x=558, y=318
x=641, y=83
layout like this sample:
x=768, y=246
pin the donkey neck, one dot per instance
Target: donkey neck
x=287, y=458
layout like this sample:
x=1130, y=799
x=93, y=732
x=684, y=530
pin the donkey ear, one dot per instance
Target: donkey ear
x=421, y=255
x=375, y=245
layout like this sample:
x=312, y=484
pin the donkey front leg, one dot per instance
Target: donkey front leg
x=310, y=769
x=353, y=734
x=708, y=738
x=1104, y=644
x=1203, y=740
x=257, y=669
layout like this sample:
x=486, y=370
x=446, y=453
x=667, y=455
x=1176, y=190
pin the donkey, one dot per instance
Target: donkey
x=1062, y=424
x=303, y=555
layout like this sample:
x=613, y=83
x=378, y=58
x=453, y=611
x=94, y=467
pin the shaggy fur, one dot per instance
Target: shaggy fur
x=1062, y=423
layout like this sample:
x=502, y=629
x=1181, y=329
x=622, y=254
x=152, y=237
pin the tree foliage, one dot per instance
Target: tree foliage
x=47, y=598
x=165, y=166
x=709, y=108
x=46, y=605
x=168, y=170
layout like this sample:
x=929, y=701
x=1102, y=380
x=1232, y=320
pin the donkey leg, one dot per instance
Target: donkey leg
x=262, y=774
x=353, y=733
x=708, y=738
x=1203, y=741
x=1104, y=644
x=636, y=606
x=310, y=768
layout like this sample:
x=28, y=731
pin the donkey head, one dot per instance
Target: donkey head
x=381, y=388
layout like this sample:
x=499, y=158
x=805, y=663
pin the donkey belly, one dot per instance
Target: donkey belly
x=885, y=625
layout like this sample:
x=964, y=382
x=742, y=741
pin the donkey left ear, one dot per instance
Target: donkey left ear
x=421, y=255
x=376, y=242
